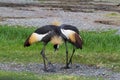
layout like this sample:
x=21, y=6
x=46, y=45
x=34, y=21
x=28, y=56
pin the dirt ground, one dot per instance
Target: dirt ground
x=76, y=69
x=86, y=15
x=90, y=15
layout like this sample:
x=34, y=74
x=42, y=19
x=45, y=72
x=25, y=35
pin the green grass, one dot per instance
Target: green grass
x=7, y=75
x=99, y=48
x=113, y=15
x=115, y=1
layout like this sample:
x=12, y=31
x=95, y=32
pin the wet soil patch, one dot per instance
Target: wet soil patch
x=76, y=69
x=108, y=22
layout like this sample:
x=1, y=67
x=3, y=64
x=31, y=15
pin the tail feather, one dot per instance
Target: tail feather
x=78, y=42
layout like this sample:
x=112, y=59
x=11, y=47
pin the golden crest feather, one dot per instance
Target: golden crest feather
x=56, y=23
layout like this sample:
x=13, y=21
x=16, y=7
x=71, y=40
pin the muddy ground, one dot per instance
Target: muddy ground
x=76, y=69
x=85, y=14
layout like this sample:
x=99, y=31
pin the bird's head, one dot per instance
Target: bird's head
x=26, y=44
x=56, y=47
x=31, y=39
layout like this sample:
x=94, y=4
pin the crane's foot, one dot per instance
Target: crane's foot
x=65, y=67
x=70, y=62
x=49, y=68
x=50, y=64
x=45, y=70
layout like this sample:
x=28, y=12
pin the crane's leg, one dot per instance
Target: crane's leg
x=70, y=61
x=45, y=58
x=66, y=55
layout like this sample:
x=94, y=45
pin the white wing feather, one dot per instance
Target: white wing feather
x=67, y=32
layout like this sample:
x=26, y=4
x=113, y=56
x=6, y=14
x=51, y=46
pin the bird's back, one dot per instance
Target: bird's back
x=71, y=34
x=44, y=34
x=45, y=29
x=70, y=27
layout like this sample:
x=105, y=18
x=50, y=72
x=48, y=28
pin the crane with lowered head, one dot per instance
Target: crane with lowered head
x=45, y=34
x=70, y=33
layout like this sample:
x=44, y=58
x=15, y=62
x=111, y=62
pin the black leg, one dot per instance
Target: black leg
x=70, y=61
x=66, y=55
x=45, y=58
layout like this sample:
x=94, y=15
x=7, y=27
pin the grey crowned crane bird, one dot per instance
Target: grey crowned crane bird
x=70, y=34
x=45, y=34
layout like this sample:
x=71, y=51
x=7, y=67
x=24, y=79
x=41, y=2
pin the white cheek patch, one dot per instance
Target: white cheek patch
x=67, y=32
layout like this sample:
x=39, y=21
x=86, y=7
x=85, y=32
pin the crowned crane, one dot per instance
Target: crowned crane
x=70, y=34
x=45, y=34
